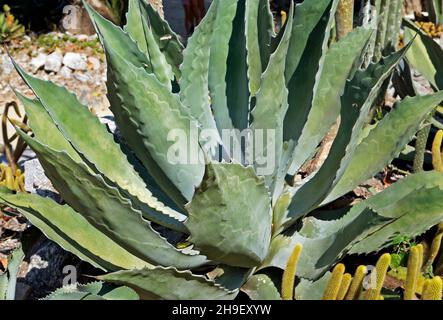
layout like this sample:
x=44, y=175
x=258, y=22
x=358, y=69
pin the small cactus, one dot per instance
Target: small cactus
x=344, y=286
x=432, y=289
x=380, y=268
x=289, y=274
x=356, y=284
x=333, y=286
x=412, y=273
x=436, y=153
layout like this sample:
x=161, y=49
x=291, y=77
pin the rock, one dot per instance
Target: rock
x=43, y=268
x=82, y=77
x=65, y=72
x=94, y=63
x=54, y=62
x=75, y=61
x=37, y=182
x=82, y=37
x=38, y=62
x=6, y=65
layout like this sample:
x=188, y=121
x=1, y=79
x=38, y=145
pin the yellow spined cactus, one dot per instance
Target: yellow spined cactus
x=381, y=269
x=289, y=274
x=14, y=181
x=437, y=162
x=334, y=283
x=412, y=273
x=356, y=284
x=344, y=286
x=432, y=289
x=435, y=248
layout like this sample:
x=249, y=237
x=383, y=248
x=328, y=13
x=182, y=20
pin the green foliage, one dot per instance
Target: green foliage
x=184, y=230
x=10, y=28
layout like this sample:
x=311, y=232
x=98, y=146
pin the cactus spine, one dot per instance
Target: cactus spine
x=432, y=289
x=344, y=286
x=289, y=274
x=436, y=153
x=356, y=284
x=381, y=268
x=334, y=283
x=412, y=273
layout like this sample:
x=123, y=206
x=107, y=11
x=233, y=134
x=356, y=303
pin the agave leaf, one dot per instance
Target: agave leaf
x=312, y=290
x=167, y=39
x=340, y=59
x=253, y=56
x=409, y=207
x=102, y=153
x=237, y=89
x=107, y=210
x=118, y=39
x=307, y=16
x=225, y=13
x=138, y=28
x=425, y=55
x=302, y=81
x=261, y=287
x=93, y=291
x=151, y=111
x=169, y=283
x=8, y=279
x=215, y=224
x=389, y=138
x=265, y=23
x=419, y=210
x=194, y=91
x=358, y=97
x=45, y=129
x=73, y=232
x=271, y=104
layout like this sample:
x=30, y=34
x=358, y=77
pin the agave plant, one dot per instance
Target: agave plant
x=208, y=229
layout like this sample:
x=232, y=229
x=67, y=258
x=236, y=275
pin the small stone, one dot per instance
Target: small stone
x=36, y=180
x=82, y=37
x=38, y=62
x=94, y=63
x=6, y=65
x=82, y=77
x=75, y=61
x=65, y=72
x=54, y=62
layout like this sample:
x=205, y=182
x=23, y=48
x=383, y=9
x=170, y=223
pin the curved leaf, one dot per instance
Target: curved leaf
x=107, y=210
x=73, y=232
x=138, y=28
x=148, y=114
x=261, y=287
x=169, y=283
x=389, y=138
x=339, y=61
x=409, y=207
x=230, y=215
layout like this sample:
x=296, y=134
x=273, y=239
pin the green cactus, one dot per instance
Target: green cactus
x=10, y=28
x=175, y=219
